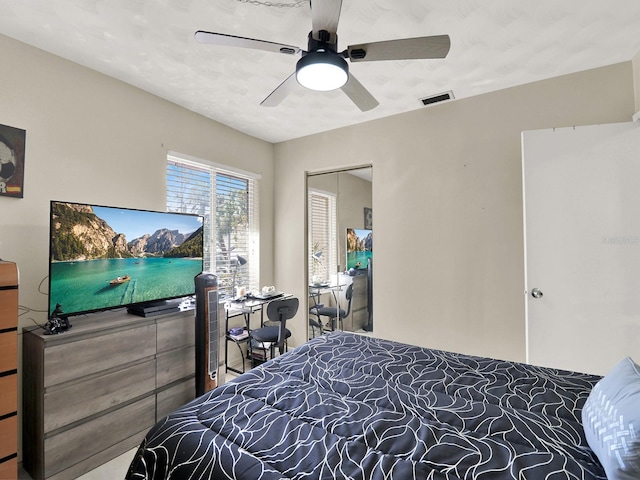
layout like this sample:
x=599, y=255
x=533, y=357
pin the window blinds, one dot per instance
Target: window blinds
x=232, y=230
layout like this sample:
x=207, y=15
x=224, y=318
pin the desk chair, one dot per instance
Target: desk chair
x=333, y=313
x=315, y=324
x=276, y=335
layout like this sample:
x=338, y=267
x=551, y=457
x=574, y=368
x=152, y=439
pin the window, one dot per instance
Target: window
x=323, y=256
x=227, y=199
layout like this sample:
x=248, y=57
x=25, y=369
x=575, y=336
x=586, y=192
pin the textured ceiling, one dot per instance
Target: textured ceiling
x=495, y=44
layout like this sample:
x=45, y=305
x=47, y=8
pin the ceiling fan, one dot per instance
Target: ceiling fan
x=322, y=66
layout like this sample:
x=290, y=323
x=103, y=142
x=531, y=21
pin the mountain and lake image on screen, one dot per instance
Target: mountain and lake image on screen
x=107, y=257
x=359, y=248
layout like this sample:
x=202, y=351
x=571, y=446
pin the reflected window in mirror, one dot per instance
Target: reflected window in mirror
x=322, y=236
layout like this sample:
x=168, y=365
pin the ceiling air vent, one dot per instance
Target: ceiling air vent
x=440, y=97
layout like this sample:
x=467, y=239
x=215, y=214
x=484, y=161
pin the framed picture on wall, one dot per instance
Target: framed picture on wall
x=368, y=218
x=12, y=146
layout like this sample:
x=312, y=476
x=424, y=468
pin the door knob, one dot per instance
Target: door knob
x=536, y=293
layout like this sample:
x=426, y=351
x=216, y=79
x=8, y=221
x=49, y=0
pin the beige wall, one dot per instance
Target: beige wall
x=447, y=202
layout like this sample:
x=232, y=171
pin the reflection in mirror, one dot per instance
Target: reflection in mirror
x=340, y=251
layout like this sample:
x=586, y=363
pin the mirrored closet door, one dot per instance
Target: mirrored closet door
x=340, y=250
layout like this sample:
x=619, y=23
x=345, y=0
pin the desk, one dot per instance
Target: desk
x=246, y=308
x=315, y=291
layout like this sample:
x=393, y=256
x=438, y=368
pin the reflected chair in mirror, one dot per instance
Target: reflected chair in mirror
x=270, y=337
x=316, y=328
x=335, y=314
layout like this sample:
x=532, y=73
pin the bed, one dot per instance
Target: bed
x=355, y=407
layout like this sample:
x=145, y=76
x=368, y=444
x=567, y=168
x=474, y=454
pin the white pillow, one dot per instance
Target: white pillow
x=611, y=419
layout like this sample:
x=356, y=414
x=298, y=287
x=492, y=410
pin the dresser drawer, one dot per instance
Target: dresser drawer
x=175, y=331
x=174, y=397
x=8, y=436
x=175, y=365
x=8, y=394
x=63, y=406
x=63, y=450
x=9, y=469
x=9, y=310
x=76, y=359
x=360, y=318
x=8, y=351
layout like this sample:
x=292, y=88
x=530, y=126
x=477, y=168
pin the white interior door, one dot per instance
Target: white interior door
x=582, y=245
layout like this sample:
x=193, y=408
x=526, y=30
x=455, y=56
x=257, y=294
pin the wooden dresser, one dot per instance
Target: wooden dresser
x=8, y=370
x=91, y=393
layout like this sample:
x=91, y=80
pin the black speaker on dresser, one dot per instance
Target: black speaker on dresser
x=206, y=332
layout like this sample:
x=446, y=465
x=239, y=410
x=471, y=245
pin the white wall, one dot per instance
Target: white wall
x=447, y=203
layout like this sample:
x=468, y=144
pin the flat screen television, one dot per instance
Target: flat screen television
x=359, y=248
x=107, y=257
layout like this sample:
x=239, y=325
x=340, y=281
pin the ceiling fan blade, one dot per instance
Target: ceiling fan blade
x=359, y=95
x=281, y=92
x=233, y=41
x=325, y=15
x=436, y=46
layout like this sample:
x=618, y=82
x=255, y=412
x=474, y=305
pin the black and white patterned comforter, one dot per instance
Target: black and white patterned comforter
x=344, y=406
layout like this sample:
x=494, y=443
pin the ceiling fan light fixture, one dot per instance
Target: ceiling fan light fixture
x=322, y=71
